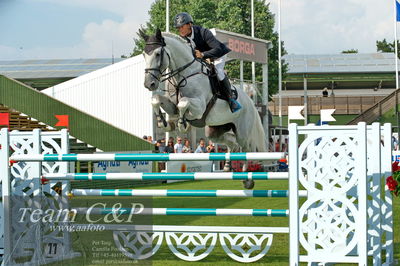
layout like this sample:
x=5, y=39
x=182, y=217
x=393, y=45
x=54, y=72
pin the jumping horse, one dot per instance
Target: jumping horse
x=188, y=99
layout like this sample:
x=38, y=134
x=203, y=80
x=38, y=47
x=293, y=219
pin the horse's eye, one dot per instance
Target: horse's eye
x=157, y=54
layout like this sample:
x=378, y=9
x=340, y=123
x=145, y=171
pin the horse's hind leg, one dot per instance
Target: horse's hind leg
x=233, y=146
x=223, y=134
x=249, y=184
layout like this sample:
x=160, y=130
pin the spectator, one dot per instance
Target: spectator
x=210, y=147
x=202, y=146
x=160, y=145
x=325, y=92
x=271, y=144
x=150, y=139
x=394, y=143
x=170, y=146
x=277, y=146
x=145, y=137
x=284, y=147
x=186, y=148
x=178, y=146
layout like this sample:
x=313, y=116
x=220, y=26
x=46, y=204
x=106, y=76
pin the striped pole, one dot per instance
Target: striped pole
x=170, y=176
x=181, y=193
x=182, y=211
x=242, y=156
x=190, y=229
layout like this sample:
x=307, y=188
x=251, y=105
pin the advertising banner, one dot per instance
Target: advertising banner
x=123, y=166
x=189, y=167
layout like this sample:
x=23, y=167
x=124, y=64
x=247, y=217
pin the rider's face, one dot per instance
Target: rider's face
x=185, y=30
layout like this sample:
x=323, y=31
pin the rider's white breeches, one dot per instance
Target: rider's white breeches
x=219, y=66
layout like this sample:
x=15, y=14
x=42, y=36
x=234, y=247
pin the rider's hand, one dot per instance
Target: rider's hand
x=198, y=54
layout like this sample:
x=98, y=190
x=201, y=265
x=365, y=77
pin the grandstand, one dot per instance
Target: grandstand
x=354, y=82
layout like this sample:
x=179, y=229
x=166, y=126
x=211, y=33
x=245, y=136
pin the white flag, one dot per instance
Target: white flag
x=326, y=115
x=294, y=113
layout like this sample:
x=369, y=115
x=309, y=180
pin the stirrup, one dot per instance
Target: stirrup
x=234, y=105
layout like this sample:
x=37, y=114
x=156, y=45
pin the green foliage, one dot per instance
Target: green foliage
x=229, y=15
x=386, y=47
x=350, y=51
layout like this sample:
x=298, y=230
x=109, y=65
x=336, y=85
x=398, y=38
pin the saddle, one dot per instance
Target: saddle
x=217, y=91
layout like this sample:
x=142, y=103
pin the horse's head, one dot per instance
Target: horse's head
x=156, y=59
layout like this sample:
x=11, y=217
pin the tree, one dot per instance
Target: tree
x=229, y=15
x=350, y=51
x=386, y=47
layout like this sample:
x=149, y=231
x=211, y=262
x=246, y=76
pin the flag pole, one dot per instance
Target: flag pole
x=395, y=43
x=279, y=65
x=280, y=77
x=396, y=62
x=166, y=135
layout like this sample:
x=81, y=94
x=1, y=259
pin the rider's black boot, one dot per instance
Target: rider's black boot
x=227, y=91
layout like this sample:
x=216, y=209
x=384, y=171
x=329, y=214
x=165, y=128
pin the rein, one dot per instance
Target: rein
x=167, y=76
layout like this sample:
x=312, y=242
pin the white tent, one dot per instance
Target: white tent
x=114, y=94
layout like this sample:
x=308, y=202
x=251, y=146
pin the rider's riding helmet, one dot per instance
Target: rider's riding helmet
x=182, y=19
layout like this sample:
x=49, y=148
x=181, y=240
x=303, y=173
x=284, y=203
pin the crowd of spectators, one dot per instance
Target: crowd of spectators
x=274, y=146
x=182, y=145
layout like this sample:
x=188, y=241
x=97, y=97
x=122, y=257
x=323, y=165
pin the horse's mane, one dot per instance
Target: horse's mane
x=174, y=36
x=187, y=49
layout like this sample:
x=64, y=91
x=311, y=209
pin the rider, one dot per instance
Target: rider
x=206, y=46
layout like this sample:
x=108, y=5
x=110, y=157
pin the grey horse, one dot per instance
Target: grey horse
x=169, y=58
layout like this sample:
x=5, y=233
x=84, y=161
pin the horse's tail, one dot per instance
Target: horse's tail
x=257, y=139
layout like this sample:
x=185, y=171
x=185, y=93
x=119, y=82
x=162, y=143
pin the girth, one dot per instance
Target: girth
x=202, y=121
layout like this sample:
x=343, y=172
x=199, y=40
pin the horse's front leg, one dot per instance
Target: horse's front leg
x=183, y=106
x=189, y=109
x=169, y=107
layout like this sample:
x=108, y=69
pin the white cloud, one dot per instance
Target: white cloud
x=126, y=8
x=325, y=26
x=97, y=39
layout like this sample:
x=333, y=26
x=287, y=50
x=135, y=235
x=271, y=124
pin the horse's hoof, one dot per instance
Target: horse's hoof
x=248, y=184
x=227, y=168
x=183, y=129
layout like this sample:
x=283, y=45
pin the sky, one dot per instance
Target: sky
x=68, y=29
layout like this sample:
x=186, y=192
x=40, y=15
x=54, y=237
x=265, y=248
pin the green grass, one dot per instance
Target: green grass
x=277, y=255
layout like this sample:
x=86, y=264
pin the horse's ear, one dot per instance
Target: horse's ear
x=143, y=34
x=158, y=34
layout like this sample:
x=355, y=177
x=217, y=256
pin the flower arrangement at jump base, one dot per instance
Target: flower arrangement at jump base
x=393, y=181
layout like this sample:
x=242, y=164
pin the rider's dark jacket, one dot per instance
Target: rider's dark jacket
x=207, y=43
